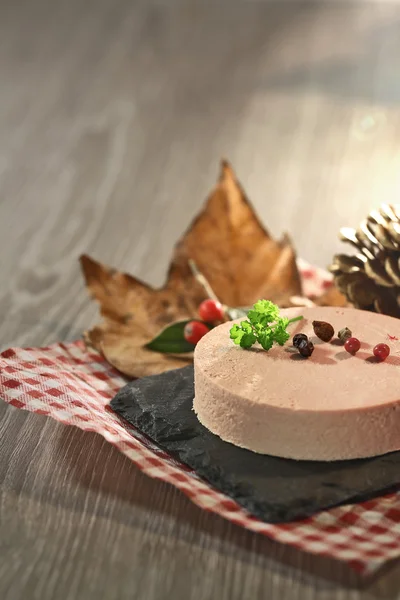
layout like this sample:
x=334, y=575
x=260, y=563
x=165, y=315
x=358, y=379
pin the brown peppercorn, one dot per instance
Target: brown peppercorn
x=344, y=334
x=323, y=330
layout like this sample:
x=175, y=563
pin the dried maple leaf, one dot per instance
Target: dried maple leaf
x=238, y=257
x=332, y=297
x=133, y=313
x=230, y=247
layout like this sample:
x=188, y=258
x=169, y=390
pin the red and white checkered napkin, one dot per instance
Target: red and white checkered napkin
x=74, y=386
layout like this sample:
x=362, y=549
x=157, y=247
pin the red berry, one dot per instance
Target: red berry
x=381, y=351
x=211, y=310
x=352, y=345
x=194, y=331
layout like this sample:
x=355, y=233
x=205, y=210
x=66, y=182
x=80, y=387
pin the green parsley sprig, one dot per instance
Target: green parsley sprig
x=264, y=325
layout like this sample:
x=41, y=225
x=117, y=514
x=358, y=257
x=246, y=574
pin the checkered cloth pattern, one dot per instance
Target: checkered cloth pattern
x=74, y=386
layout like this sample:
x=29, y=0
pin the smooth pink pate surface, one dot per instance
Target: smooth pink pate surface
x=331, y=406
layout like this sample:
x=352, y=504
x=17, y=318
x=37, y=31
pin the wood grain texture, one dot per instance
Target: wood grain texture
x=113, y=117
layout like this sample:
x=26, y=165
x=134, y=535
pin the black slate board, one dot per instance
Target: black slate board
x=273, y=489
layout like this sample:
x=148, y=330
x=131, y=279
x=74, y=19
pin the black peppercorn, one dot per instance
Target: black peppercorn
x=299, y=337
x=306, y=348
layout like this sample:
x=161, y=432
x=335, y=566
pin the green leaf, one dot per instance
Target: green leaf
x=247, y=328
x=254, y=317
x=247, y=340
x=280, y=334
x=266, y=339
x=263, y=313
x=171, y=339
x=264, y=326
x=267, y=308
x=243, y=334
x=281, y=337
x=236, y=333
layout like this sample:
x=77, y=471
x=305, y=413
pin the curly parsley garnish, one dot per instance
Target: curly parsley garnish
x=264, y=325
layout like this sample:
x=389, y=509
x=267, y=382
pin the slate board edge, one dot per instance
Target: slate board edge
x=247, y=502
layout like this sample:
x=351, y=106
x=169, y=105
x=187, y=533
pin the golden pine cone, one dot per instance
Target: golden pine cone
x=370, y=279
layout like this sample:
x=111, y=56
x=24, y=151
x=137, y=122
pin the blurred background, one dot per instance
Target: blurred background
x=114, y=115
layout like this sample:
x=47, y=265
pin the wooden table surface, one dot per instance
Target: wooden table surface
x=113, y=117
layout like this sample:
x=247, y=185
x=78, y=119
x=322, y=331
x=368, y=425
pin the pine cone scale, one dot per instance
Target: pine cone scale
x=392, y=266
x=370, y=279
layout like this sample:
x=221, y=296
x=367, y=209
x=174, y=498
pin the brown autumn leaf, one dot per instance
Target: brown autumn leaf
x=133, y=313
x=332, y=297
x=238, y=257
x=230, y=247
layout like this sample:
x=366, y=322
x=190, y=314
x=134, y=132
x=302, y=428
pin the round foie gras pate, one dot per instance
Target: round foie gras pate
x=330, y=406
